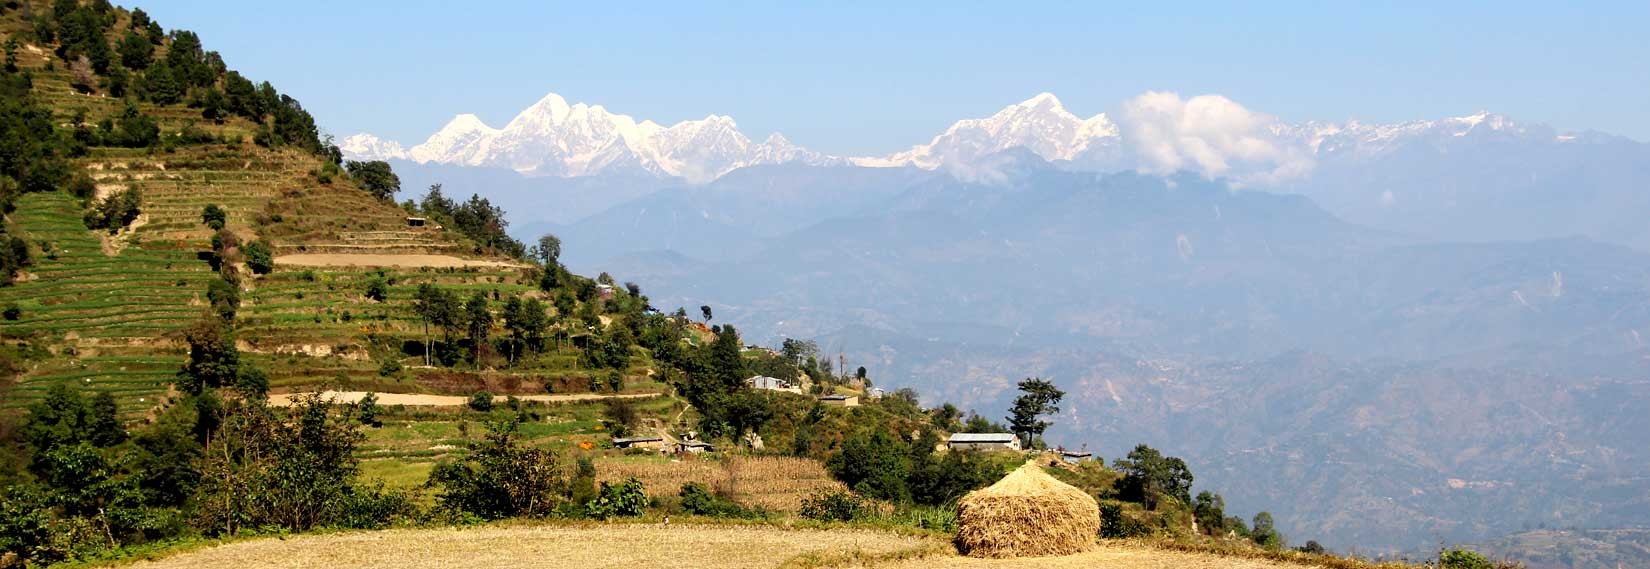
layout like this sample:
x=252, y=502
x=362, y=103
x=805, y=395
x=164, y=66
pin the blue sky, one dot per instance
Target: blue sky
x=874, y=77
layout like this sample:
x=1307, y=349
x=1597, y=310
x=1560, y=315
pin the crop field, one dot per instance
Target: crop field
x=687, y=546
x=776, y=483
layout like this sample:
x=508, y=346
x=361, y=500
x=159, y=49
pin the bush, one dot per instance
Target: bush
x=624, y=499
x=699, y=501
x=1115, y=525
x=501, y=478
x=1463, y=559
x=259, y=257
x=12, y=312
x=378, y=289
x=482, y=401
x=390, y=367
x=213, y=216
x=835, y=506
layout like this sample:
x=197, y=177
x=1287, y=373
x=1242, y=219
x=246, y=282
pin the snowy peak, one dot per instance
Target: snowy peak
x=554, y=138
x=1041, y=124
x=368, y=147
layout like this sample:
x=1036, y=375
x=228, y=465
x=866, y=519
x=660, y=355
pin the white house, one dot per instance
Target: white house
x=984, y=441
x=771, y=384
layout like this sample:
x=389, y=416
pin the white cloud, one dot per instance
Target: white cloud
x=1208, y=134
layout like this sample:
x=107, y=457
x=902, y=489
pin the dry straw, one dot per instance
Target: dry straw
x=1027, y=513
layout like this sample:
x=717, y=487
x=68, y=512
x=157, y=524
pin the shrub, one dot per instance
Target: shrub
x=482, y=401
x=501, y=478
x=259, y=257
x=214, y=216
x=1463, y=559
x=389, y=368
x=699, y=501
x=1115, y=525
x=378, y=289
x=624, y=499
x=835, y=506
x=12, y=312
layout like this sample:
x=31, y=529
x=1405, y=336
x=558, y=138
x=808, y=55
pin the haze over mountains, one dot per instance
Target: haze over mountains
x=1388, y=333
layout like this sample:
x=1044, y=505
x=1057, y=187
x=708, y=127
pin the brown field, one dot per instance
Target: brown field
x=776, y=483
x=642, y=546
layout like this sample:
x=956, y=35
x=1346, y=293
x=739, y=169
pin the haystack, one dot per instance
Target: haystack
x=1027, y=513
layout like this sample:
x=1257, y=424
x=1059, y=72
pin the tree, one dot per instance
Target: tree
x=370, y=410
x=797, y=351
x=224, y=297
x=1147, y=475
x=439, y=308
x=619, y=417
x=1209, y=509
x=1264, y=531
x=376, y=177
x=213, y=216
x=136, y=52
x=549, y=250
x=478, y=322
x=213, y=360
x=873, y=464
x=705, y=310
x=1038, y=397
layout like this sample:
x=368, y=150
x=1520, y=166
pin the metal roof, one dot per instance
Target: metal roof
x=637, y=440
x=982, y=438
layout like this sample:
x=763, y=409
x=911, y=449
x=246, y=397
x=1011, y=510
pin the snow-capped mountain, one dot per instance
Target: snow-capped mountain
x=1212, y=135
x=1040, y=124
x=553, y=138
x=363, y=145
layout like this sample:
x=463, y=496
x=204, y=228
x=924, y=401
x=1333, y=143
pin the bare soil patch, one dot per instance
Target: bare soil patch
x=387, y=260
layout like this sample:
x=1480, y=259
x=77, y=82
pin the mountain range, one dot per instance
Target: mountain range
x=1482, y=176
x=1389, y=334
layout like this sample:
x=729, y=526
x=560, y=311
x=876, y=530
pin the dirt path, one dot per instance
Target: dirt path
x=386, y=260
x=648, y=546
x=418, y=399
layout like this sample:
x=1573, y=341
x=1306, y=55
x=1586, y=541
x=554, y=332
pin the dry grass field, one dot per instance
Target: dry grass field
x=776, y=483
x=636, y=546
x=642, y=546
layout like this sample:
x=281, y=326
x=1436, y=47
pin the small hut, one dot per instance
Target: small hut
x=1027, y=513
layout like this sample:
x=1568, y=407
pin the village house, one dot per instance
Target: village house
x=692, y=447
x=984, y=441
x=772, y=384
x=639, y=442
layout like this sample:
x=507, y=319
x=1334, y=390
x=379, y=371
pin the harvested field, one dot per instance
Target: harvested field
x=777, y=483
x=417, y=399
x=387, y=260
x=653, y=545
x=616, y=546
